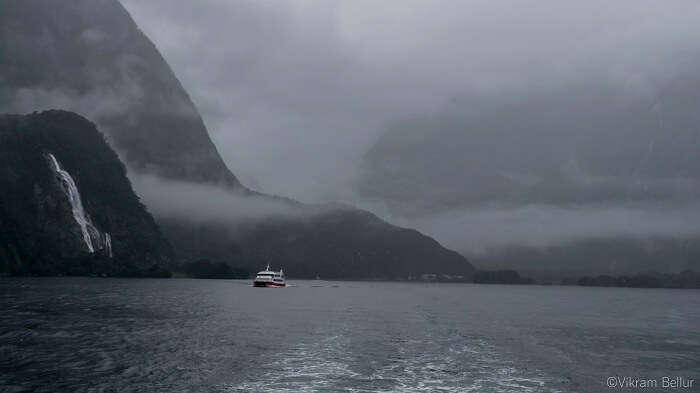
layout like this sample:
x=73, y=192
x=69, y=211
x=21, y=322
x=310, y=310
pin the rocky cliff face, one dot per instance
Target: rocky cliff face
x=90, y=57
x=67, y=206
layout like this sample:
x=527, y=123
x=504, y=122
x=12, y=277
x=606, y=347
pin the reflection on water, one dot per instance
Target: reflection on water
x=79, y=334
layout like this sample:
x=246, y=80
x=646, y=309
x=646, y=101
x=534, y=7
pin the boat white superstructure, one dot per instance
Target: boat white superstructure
x=269, y=278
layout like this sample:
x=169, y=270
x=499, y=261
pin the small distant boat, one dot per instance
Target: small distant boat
x=268, y=278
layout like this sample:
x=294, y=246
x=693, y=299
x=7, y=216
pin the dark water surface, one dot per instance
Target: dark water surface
x=123, y=335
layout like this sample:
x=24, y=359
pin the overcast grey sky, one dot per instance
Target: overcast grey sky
x=293, y=92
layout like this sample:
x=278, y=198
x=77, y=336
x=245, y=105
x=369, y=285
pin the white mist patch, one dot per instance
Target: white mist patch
x=94, y=104
x=123, y=99
x=93, y=238
x=207, y=203
x=478, y=230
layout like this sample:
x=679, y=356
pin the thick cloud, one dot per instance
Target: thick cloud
x=295, y=92
x=475, y=232
x=200, y=203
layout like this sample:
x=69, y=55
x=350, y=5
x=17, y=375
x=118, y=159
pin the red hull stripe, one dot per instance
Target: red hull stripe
x=268, y=284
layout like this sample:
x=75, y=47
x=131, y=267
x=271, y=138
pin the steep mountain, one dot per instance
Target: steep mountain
x=67, y=206
x=592, y=147
x=90, y=57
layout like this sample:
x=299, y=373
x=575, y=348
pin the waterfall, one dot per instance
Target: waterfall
x=108, y=244
x=92, y=237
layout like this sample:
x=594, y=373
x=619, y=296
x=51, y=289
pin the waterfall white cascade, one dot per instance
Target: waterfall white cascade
x=108, y=244
x=92, y=237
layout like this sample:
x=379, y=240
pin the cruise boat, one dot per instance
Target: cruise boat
x=268, y=278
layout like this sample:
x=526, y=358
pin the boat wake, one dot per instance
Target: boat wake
x=334, y=364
